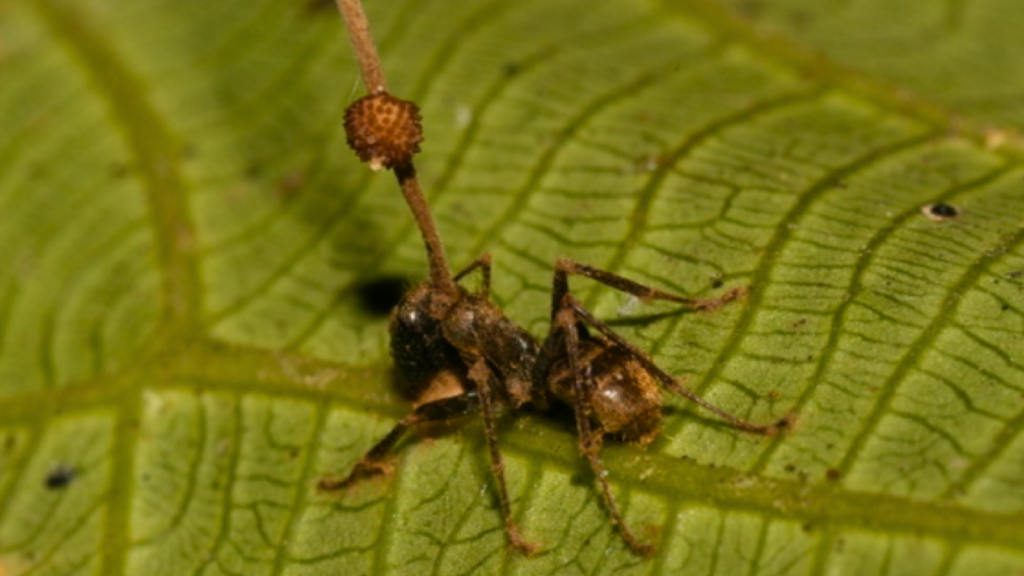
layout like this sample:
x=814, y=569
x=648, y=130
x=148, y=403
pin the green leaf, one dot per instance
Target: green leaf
x=191, y=264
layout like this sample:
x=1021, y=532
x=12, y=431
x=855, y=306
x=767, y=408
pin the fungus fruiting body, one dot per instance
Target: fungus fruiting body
x=384, y=131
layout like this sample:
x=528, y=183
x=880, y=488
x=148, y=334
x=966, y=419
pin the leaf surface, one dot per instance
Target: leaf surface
x=196, y=274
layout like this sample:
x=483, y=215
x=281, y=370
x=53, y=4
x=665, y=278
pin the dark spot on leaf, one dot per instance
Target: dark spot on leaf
x=832, y=475
x=940, y=211
x=380, y=295
x=294, y=452
x=808, y=527
x=512, y=68
x=60, y=476
x=790, y=468
x=717, y=282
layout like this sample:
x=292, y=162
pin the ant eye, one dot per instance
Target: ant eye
x=383, y=130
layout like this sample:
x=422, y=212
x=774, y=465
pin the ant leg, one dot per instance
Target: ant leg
x=373, y=462
x=484, y=264
x=481, y=375
x=564, y=267
x=667, y=380
x=589, y=441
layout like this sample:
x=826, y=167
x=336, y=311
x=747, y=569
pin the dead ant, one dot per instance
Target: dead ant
x=460, y=355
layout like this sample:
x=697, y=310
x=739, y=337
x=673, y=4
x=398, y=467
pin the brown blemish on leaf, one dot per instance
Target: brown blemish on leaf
x=369, y=470
x=738, y=293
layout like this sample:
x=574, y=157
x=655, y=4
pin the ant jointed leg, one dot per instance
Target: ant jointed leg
x=374, y=462
x=633, y=417
x=483, y=263
x=563, y=299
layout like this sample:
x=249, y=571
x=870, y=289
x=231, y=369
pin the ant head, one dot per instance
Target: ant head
x=418, y=345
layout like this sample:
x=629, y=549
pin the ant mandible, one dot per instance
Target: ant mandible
x=459, y=353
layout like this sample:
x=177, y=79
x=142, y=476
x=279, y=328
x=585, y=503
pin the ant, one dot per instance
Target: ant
x=443, y=331
x=460, y=355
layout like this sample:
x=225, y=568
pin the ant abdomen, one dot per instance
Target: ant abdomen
x=625, y=399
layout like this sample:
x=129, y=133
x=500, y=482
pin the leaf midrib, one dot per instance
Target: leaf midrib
x=825, y=504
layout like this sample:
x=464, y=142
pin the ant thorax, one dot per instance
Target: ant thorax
x=479, y=329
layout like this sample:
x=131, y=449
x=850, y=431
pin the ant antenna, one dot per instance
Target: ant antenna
x=385, y=132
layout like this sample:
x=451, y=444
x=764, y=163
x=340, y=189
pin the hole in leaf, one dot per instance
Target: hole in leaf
x=60, y=476
x=940, y=211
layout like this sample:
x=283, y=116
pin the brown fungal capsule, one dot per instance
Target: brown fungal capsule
x=384, y=131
